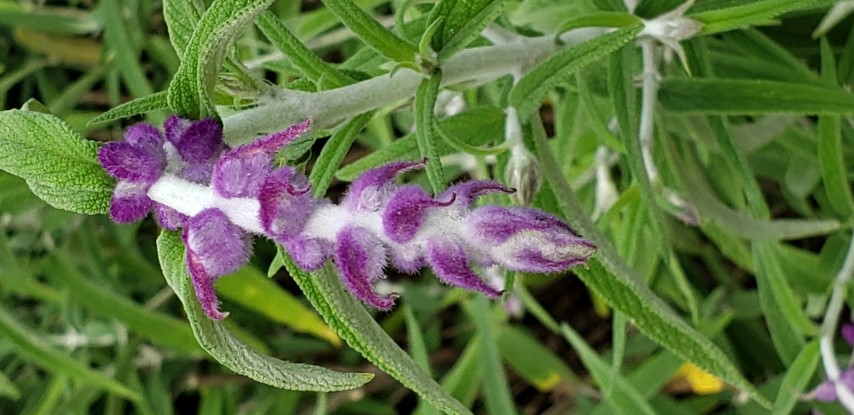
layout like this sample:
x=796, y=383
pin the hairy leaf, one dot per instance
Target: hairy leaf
x=59, y=165
x=226, y=349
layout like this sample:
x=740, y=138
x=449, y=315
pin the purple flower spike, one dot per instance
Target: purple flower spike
x=360, y=257
x=450, y=263
x=405, y=212
x=380, y=181
x=215, y=247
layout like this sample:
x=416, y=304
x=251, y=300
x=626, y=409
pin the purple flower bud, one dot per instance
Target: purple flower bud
x=449, y=260
x=196, y=141
x=129, y=202
x=215, y=247
x=361, y=257
x=406, y=210
x=524, y=239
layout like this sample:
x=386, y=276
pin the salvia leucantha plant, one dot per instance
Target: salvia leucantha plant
x=687, y=161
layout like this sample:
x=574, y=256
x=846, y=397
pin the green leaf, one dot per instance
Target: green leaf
x=624, y=398
x=59, y=165
x=333, y=153
x=230, y=352
x=748, y=97
x=786, y=320
x=161, y=329
x=425, y=101
x=797, y=378
x=462, y=22
x=496, y=390
x=612, y=279
x=419, y=352
x=830, y=159
x=31, y=347
x=8, y=388
x=738, y=223
x=599, y=19
x=191, y=89
x=136, y=106
x=747, y=14
x=127, y=56
x=371, y=31
x=65, y=20
x=182, y=17
x=350, y=320
x=300, y=56
x=528, y=93
x=479, y=126
x=253, y=290
x=535, y=363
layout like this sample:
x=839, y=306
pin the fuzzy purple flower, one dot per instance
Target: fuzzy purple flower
x=222, y=196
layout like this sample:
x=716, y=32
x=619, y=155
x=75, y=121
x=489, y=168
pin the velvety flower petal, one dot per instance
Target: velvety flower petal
x=144, y=135
x=124, y=161
x=308, y=253
x=360, y=257
x=450, y=263
x=273, y=142
x=129, y=202
x=370, y=190
x=175, y=127
x=525, y=239
x=467, y=192
x=169, y=218
x=497, y=223
x=848, y=333
x=241, y=176
x=215, y=247
x=406, y=210
x=197, y=173
x=286, y=204
x=198, y=142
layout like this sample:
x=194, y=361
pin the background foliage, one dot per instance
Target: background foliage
x=715, y=276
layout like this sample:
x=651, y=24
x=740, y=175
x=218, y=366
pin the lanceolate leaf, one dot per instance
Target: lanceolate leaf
x=301, y=56
x=528, y=93
x=462, y=22
x=350, y=320
x=226, y=349
x=141, y=105
x=190, y=91
x=333, y=153
x=749, y=97
x=59, y=165
x=425, y=100
x=371, y=31
x=182, y=16
x=796, y=379
x=624, y=398
x=744, y=14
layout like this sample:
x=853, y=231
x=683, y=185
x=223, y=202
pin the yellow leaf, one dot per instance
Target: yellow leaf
x=702, y=382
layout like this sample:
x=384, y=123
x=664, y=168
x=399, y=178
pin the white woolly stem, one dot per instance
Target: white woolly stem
x=649, y=96
x=191, y=198
x=828, y=329
x=326, y=108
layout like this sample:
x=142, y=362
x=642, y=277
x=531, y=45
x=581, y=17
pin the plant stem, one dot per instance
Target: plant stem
x=326, y=108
